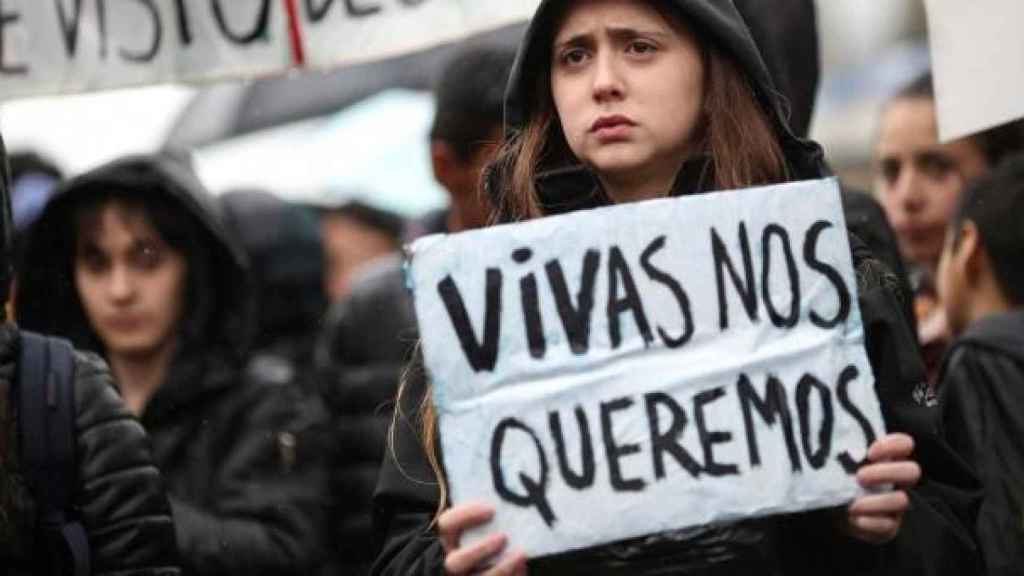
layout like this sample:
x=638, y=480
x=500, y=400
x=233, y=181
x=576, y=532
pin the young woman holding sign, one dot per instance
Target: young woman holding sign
x=619, y=101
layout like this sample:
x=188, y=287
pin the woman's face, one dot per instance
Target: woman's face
x=130, y=282
x=918, y=179
x=628, y=87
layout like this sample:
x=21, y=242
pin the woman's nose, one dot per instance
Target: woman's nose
x=909, y=192
x=608, y=84
x=120, y=284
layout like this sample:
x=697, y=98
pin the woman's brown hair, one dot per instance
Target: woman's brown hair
x=736, y=135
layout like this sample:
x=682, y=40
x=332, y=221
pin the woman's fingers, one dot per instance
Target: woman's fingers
x=454, y=521
x=877, y=529
x=904, y=474
x=891, y=447
x=469, y=559
x=513, y=565
x=888, y=504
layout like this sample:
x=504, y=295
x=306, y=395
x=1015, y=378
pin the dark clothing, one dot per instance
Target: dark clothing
x=809, y=543
x=982, y=400
x=367, y=342
x=786, y=31
x=286, y=258
x=244, y=485
x=120, y=494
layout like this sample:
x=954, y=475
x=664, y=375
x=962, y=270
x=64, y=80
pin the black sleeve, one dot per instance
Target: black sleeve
x=983, y=419
x=935, y=537
x=408, y=494
x=271, y=490
x=121, y=497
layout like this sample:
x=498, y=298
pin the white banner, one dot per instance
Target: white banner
x=628, y=370
x=978, y=61
x=61, y=46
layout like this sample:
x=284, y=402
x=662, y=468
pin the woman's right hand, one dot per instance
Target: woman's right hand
x=476, y=558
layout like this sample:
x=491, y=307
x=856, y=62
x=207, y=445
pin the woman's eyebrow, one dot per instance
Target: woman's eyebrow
x=621, y=32
x=616, y=32
x=581, y=39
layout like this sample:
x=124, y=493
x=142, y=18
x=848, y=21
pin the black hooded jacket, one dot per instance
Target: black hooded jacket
x=982, y=399
x=118, y=491
x=244, y=487
x=286, y=258
x=810, y=543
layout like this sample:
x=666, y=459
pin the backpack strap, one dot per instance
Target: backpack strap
x=46, y=403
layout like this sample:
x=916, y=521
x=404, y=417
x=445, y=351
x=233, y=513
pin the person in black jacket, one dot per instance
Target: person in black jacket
x=369, y=335
x=701, y=113
x=118, y=492
x=130, y=260
x=286, y=258
x=981, y=283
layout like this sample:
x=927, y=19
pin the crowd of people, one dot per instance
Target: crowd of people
x=249, y=393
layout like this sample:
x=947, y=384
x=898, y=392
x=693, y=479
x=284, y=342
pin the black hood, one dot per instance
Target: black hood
x=286, y=255
x=715, y=21
x=1001, y=332
x=215, y=318
x=787, y=33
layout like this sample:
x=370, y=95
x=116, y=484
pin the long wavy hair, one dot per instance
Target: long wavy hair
x=736, y=134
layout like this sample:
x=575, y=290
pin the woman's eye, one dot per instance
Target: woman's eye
x=93, y=262
x=641, y=47
x=574, y=56
x=147, y=257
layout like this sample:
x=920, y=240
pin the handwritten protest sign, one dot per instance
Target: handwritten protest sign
x=628, y=370
x=978, y=56
x=59, y=46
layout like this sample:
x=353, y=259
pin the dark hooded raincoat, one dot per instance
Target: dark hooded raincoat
x=244, y=487
x=982, y=399
x=810, y=543
x=119, y=496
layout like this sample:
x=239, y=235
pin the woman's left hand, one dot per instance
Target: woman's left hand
x=876, y=517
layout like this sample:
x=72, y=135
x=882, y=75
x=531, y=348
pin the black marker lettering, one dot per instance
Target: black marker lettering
x=708, y=439
x=677, y=290
x=184, y=27
x=482, y=357
x=535, y=495
x=668, y=442
x=614, y=452
x=317, y=12
x=833, y=276
x=147, y=54
x=585, y=478
x=629, y=302
x=69, y=25
x=746, y=289
x=259, y=29
x=530, y=300
x=770, y=408
x=848, y=375
x=360, y=10
x=816, y=458
x=780, y=321
x=575, y=318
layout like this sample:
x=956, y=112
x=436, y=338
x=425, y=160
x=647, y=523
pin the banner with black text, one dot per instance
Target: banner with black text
x=64, y=46
x=623, y=371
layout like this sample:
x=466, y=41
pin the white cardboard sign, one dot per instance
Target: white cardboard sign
x=61, y=46
x=978, y=64
x=629, y=370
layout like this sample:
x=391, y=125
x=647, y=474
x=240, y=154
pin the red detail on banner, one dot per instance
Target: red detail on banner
x=295, y=32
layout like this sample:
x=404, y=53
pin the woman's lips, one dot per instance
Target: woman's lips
x=612, y=128
x=124, y=323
